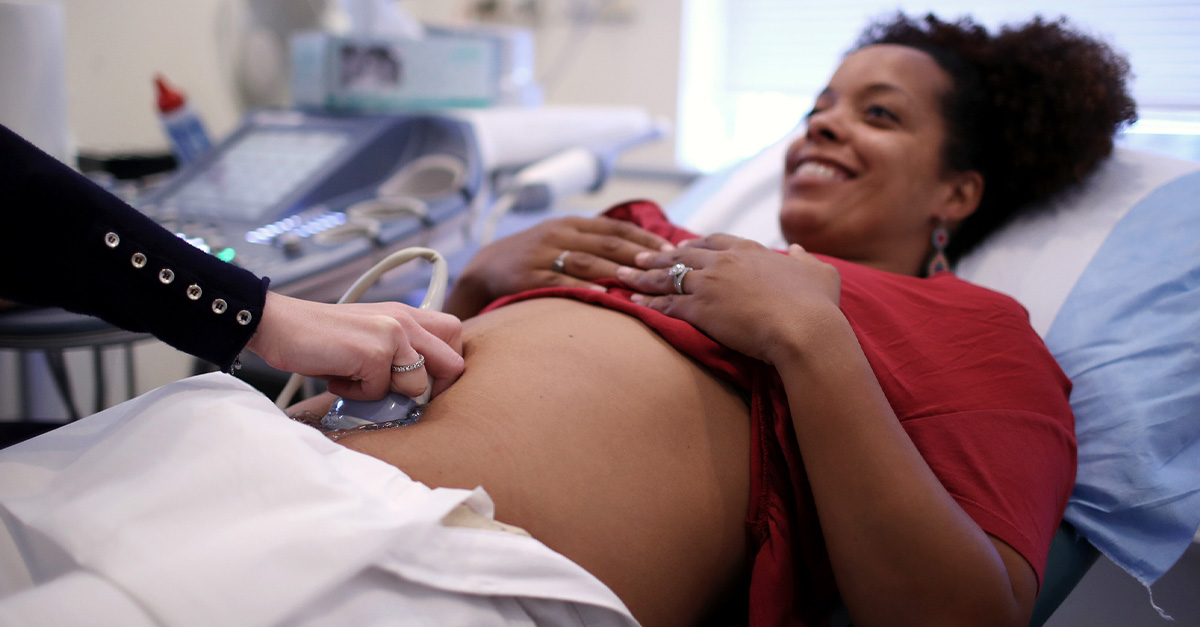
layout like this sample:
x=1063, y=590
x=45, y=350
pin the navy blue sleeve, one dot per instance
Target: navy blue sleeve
x=71, y=244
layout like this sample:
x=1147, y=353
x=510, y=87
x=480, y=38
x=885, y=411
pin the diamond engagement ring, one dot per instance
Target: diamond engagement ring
x=678, y=271
x=560, y=264
x=411, y=367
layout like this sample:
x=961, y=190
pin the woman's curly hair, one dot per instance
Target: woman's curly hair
x=1034, y=108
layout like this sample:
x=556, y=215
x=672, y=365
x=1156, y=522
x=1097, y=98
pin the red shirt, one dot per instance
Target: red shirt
x=971, y=383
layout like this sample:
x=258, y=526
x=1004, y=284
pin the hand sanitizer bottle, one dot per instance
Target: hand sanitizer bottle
x=184, y=128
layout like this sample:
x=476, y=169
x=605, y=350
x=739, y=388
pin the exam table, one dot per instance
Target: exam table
x=1110, y=275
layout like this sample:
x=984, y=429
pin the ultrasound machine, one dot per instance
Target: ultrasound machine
x=311, y=200
x=314, y=199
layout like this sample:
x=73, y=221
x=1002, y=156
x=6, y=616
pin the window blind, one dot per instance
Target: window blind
x=759, y=62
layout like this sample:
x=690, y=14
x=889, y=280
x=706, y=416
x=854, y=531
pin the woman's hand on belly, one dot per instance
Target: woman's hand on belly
x=590, y=249
x=742, y=294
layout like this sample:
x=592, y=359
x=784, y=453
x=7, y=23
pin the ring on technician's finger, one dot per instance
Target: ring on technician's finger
x=411, y=367
x=560, y=264
x=678, y=271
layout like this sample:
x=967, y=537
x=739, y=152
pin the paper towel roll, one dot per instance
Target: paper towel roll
x=33, y=77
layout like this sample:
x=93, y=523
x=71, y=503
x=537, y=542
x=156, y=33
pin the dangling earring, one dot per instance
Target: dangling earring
x=941, y=237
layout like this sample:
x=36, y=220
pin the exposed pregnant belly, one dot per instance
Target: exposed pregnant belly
x=596, y=436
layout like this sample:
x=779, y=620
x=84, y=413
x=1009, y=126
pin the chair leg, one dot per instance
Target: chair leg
x=130, y=384
x=58, y=371
x=100, y=383
x=23, y=385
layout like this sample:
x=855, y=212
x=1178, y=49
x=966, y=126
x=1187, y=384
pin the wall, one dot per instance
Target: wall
x=116, y=46
x=114, y=49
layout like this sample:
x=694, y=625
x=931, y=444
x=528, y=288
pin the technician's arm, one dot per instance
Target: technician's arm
x=71, y=244
x=354, y=345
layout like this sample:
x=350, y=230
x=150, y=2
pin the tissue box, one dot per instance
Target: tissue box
x=375, y=74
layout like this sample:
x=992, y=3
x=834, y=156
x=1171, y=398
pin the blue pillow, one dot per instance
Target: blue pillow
x=1128, y=335
x=1111, y=277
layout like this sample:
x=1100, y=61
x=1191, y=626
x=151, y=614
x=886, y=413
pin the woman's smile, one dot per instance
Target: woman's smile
x=814, y=171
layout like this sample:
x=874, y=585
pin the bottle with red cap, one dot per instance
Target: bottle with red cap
x=184, y=128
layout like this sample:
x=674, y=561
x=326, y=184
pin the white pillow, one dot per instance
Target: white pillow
x=742, y=199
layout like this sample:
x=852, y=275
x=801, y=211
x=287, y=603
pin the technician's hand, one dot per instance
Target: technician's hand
x=353, y=346
x=572, y=252
x=742, y=294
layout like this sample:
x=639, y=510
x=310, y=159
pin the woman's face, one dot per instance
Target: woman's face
x=866, y=182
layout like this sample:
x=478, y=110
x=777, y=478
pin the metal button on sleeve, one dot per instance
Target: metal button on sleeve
x=219, y=306
x=111, y=239
x=138, y=260
x=244, y=317
x=194, y=291
x=166, y=275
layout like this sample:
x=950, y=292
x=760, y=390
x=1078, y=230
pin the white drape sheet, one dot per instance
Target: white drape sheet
x=200, y=503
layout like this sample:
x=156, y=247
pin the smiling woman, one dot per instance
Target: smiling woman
x=880, y=117
x=762, y=435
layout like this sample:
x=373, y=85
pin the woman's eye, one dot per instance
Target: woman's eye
x=878, y=112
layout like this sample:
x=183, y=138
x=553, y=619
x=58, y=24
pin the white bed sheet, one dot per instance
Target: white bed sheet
x=200, y=503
